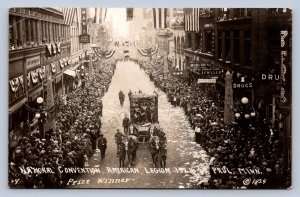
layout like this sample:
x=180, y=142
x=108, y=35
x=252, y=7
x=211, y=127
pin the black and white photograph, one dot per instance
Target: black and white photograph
x=149, y=98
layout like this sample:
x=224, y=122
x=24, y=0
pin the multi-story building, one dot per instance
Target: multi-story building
x=177, y=26
x=39, y=49
x=255, y=46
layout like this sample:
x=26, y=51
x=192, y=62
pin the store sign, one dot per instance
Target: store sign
x=33, y=62
x=84, y=37
x=209, y=71
x=243, y=83
x=283, y=59
x=207, y=80
x=208, y=25
x=83, y=20
x=269, y=77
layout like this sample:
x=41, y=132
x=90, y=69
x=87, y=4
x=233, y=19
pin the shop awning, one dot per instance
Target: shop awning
x=17, y=105
x=70, y=72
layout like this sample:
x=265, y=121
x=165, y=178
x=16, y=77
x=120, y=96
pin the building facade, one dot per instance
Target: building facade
x=254, y=45
x=39, y=49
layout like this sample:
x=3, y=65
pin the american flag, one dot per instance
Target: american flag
x=160, y=18
x=68, y=15
x=191, y=19
x=100, y=15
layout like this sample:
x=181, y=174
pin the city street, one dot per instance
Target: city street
x=184, y=154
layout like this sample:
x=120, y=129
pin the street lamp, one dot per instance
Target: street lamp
x=41, y=116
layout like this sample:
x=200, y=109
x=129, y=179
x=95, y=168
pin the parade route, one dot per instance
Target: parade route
x=186, y=163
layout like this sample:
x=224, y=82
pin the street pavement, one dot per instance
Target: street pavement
x=187, y=163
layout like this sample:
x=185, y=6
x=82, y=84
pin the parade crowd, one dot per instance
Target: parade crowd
x=234, y=150
x=35, y=162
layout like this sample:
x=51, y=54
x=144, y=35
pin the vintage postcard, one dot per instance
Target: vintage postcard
x=190, y=98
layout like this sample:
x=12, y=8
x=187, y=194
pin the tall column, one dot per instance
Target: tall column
x=39, y=31
x=33, y=28
x=15, y=30
x=47, y=31
x=22, y=30
x=29, y=29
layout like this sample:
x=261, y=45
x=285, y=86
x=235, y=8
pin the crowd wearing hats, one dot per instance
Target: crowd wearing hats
x=78, y=126
x=232, y=147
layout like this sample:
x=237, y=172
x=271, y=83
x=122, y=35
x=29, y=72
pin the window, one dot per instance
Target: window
x=219, y=44
x=197, y=41
x=247, y=48
x=207, y=41
x=236, y=47
x=227, y=57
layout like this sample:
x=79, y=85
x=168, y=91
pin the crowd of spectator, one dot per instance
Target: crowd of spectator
x=236, y=150
x=36, y=161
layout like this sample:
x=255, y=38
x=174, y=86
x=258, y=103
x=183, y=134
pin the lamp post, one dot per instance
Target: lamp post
x=41, y=116
x=245, y=113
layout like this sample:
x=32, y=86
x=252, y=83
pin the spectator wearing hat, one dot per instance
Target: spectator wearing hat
x=102, y=145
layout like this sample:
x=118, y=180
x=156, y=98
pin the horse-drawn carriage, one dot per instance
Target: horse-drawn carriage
x=146, y=131
x=143, y=115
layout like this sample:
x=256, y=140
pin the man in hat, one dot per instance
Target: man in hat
x=126, y=122
x=118, y=140
x=102, y=145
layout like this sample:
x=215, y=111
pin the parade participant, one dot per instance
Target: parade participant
x=129, y=94
x=126, y=123
x=102, y=145
x=118, y=140
x=131, y=130
x=121, y=97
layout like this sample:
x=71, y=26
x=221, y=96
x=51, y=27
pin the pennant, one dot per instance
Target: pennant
x=53, y=68
x=14, y=84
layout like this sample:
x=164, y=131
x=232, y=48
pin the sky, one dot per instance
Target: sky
x=118, y=17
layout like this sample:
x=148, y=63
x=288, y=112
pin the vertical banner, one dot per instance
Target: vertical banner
x=283, y=61
x=50, y=123
x=228, y=100
x=84, y=37
x=129, y=13
x=83, y=21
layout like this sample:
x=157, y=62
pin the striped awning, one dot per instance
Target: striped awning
x=70, y=72
x=17, y=106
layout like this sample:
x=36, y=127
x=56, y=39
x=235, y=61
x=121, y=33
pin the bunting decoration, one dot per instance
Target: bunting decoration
x=34, y=76
x=14, y=84
x=21, y=81
x=147, y=52
x=42, y=72
x=58, y=47
x=28, y=79
x=103, y=54
x=54, y=48
x=49, y=48
x=63, y=63
x=109, y=54
x=53, y=68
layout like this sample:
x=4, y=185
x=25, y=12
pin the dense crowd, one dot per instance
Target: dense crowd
x=235, y=151
x=38, y=163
